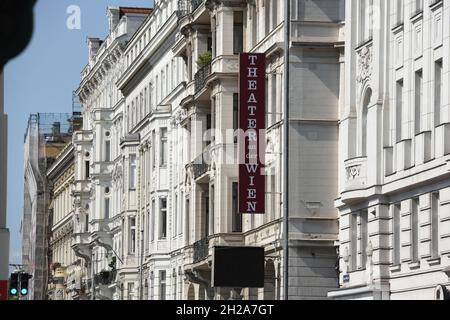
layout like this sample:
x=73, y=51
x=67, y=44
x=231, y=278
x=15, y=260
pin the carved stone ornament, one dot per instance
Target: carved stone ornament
x=353, y=172
x=364, y=64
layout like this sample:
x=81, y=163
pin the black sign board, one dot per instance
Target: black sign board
x=238, y=267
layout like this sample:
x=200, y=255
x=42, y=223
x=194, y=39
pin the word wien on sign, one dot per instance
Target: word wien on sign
x=252, y=93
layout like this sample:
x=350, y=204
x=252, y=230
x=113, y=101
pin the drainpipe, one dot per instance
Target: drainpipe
x=287, y=38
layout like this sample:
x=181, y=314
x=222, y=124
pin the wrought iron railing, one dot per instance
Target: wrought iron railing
x=200, y=166
x=200, y=77
x=105, y=277
x=195, y=4
x=183, y=8
x=201, y=250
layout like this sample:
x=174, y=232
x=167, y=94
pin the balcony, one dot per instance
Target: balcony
x=356, y=174
x=101, y=235
x=225, y=64
x=105, y=278
x=201, y=250
x=82, y=187
x=200, y=166
x=81, y=245
x=201, y=77
x=195, y=4
x=355, y=180
x=84, y=136
x=102, y=169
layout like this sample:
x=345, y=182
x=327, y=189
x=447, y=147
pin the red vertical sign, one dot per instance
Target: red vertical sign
x=3, y=290
x=252, y=83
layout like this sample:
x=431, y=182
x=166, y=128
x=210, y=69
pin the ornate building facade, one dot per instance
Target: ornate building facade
x=394, y=151
x=66, y=269
x=156, y=174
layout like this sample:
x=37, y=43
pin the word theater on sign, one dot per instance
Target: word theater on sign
x=252, y=93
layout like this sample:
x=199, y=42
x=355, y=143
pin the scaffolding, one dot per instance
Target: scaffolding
x=46, y=136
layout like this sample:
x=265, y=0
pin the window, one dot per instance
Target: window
x=364, y=235
x=130, y=290
x=359, y=240
x=180, y=220
x=132, y=172
x=146, y=289
x=107, y=208
x=86, y=223
x=396, y=245
x=149, y=226
x=364, y=135
x=167, y=84
x=107, y=151
x=157, y=91
x=415, y=230
x=174, y=273
x=419, y=5
x=205, y=214
x=87, y=166
x=274, y=13
x=150, y=97
x=435, y=225
x=132, y=237
x=163, y=218
x=366, y=16
x=152, y=231
x=273, y=100
x=141, y=106
x=399, y=110
x=187, y=227
x=175, y=215
x=437, y=92
x=164, y=150
x=152, y=286
x=208, y=137
x=235, y=115
x=418, y=101
x=211, y=219
x=399, y=11
x=236, y=216
x=153, y=146
x=267, y=15
x=162, y=285
x=238, y=33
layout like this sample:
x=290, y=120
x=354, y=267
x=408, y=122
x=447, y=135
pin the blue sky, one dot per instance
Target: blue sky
x=42, y=79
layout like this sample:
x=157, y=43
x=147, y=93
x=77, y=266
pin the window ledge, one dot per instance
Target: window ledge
x=396, y=268
x=414, y=265
x=434, y=261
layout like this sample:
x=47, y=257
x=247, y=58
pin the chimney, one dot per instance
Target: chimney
x=93, y=46
x=113, y=17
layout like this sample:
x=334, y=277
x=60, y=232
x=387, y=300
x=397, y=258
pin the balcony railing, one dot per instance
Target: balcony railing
x=200, y=77
x=201, y=250
x=195, y=4
x=105, y=277
x=200, y=166
x=183, y=8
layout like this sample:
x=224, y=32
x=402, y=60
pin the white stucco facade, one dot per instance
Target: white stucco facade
x=394, y=151
x=155, y=194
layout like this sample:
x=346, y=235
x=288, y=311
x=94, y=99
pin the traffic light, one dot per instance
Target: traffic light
x=24, y=277
x=14, y=284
